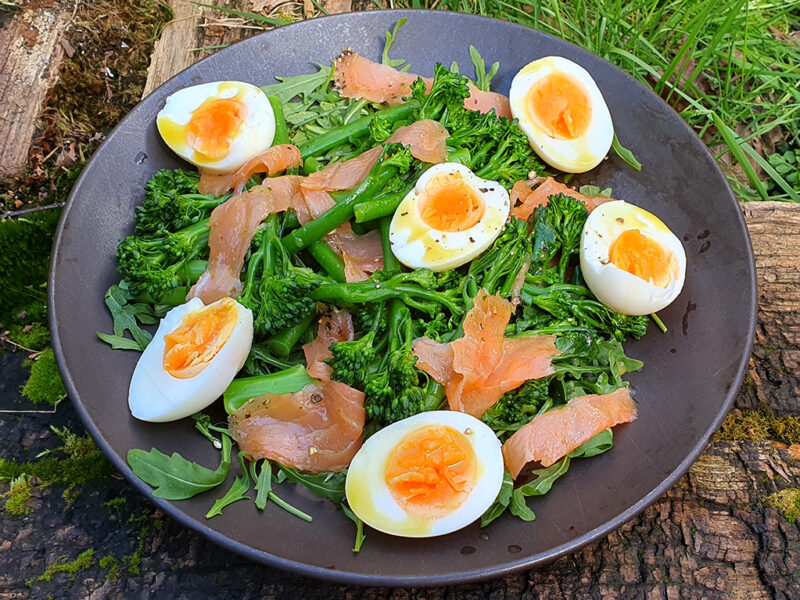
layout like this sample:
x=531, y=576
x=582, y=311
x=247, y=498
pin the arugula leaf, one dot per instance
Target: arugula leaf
x=174, y=477
x=390, y=38
x=298, y=85
x=237, y=491
x=598, y=444
x=514, y=499
x=117, y=342
x=264, y=491
x=125, y=319
x=360, y=536
x=263, y=483
x=625, y=154
x=483, y=80
x=324, y=485
x=593, y=190
x=500, y=503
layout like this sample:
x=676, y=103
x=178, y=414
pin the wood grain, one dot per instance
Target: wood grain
x=30, y=56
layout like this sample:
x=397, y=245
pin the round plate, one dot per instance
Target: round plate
x=690, y=377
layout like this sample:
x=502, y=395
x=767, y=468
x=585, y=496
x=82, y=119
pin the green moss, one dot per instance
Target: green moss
x=72, y=568
x=44, y=385
x=33, y=336
x=110, y=562
x=83, y=463
x=116, y=503
x=18, y=494
x=24, y=261
x=787, y=501
x=760, y=424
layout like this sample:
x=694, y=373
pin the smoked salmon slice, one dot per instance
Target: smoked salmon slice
x=336, y=326
x=358, y=77
x=484, y=364
x=362, y=254
x=272, y=161
x=317, y=430
x=232, y=226
x=525, y=196
x=556, y=433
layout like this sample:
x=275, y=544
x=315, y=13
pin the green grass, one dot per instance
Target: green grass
x=720, y=63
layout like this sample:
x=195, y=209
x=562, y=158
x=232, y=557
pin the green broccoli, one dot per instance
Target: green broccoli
x=171, y=202
x=277, y=291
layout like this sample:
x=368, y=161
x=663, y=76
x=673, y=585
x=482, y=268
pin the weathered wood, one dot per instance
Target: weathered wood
x=30, y=56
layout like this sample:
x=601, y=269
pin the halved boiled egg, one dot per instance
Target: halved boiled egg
x=218, y=126
x=561, y=110
x=450, y=217
x=426, y=475
x=630, y=260
x=192, y=359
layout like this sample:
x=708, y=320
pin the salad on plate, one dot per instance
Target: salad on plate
x=400, y=306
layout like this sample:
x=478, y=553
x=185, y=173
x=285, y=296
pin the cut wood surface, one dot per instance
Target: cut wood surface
x=30, y=55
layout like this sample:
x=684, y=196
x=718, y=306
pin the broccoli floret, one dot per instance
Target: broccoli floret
x=155, y=264
x=557, y=227
x=446, y=96
x=277, y=291
x=395, y=388
x=171, y=202
x=351, y=360
x=517, y=407
x=497, y=269
x=496, y=147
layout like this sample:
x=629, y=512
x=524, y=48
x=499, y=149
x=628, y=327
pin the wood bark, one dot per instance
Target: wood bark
x=30, y=56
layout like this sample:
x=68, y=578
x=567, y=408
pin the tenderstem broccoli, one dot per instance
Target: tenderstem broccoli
x=395, y=388
x=171, y=202
x=277, y=291
x=155, y=264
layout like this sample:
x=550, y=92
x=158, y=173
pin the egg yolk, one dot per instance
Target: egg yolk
x=560, y=105
x=431, y=471
x=450, y=204
x=637, y=254
x=214, y=126
x=199, y=338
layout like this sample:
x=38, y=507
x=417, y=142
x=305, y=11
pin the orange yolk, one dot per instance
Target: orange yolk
x=214, y=126
x=560, y=105
x=199, y=338
x=637, y=254
x=450, y=204
x=431, y=471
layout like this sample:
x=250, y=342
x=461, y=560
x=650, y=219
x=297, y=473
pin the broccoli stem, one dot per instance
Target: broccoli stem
x=383, y=206
x=328, y=260
x=362, y=292
x=314, y=230
x=287, y=381
x=284, y=341
x=281, y=131
x=390, y=262
x=357, y=128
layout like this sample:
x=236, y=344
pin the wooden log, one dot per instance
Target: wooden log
x=30, y=56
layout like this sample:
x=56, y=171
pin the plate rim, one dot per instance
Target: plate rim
x=335, y=575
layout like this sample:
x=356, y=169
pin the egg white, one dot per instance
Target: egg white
x=417, y=245
x=255, y=134
x=577, y=155
x=370, y=498
x=155, y=395
x=619, y=290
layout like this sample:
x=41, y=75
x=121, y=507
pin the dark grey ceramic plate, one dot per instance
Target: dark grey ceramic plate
x=690, y=377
